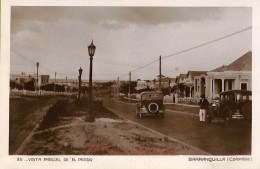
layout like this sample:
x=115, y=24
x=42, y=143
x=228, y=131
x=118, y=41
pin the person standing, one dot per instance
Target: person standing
x=204, y=104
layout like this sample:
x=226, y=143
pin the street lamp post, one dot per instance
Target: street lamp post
x=80, y=73
x=91, y=51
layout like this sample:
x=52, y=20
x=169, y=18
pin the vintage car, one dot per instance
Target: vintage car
x=151, y=102
x=233, y=105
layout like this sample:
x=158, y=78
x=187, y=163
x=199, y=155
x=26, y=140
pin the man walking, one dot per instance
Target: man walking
x=203, y=107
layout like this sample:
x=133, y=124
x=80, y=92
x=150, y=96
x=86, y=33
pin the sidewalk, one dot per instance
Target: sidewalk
x=180, y=104
x=167, y=103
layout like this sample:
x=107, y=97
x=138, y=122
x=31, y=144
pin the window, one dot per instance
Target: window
x=243, y=86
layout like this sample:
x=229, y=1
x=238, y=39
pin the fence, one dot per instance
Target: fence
x=189, y=100
x=40, y=93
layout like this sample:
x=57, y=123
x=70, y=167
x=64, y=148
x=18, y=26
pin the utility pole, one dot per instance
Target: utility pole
x=114, y=89
x=37, y=80
x=129, y=86
x=117, y=87
x=80, y=73
x=55, y=82
x=160, y=73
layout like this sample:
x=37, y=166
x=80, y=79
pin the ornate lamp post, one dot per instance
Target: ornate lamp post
x=91, y=51
x=80, y=73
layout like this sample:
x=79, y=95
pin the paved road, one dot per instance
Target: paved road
x=217, y=139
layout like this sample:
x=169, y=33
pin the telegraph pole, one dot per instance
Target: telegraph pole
x=37, y=64
x=55, y=82
x=80, y=73
x=117, y=87
x=160, y=73
x=129, y=86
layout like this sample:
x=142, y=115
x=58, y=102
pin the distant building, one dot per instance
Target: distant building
x=235, y=76
x=166, y=82
x=189, y=83
x=45, y=79
x=144, y=84
x=23, y=78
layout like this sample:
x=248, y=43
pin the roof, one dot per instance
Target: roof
x=172, y=79
x=182, y=76
x=196, y=73
x=220, y=69
x=150, y=92
x=161, y=75
x=244, y=63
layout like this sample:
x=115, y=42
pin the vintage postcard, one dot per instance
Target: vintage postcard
x=99, y=85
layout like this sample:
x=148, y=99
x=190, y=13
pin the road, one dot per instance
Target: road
x=216, y=139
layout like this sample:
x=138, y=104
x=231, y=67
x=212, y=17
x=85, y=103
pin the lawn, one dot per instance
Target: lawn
x=24, y=114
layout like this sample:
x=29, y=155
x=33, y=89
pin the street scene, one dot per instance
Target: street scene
x=130, y=81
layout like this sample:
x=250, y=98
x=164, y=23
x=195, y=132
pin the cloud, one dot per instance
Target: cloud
x=109, y=17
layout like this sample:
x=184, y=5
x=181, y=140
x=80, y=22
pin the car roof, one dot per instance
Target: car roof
x=237, y=91
x=150, y=92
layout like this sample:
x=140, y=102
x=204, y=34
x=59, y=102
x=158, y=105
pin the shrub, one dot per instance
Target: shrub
x=62, y=108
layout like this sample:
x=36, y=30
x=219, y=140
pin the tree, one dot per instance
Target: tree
x=182, y=88
x=14, y=85
x=29, y=85
x=165, y=91
x=124, y=88
x=50, y=87
x=145, y=90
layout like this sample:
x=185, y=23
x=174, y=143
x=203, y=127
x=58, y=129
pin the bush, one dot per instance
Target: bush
x=62, y=108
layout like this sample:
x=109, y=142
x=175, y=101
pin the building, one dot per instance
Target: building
x=45, y=79
x=235, y=76
x=23, y=78
x=166, y=82
x=181, y=83
x=145, y=84
x=189, y=83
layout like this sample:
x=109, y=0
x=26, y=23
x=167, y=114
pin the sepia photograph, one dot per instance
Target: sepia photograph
x=107, y=80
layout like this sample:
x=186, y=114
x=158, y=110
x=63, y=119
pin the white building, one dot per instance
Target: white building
x=235, y=76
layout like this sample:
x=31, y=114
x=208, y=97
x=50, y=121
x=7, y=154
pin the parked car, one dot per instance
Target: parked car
x=151, y=103
x=233, y=105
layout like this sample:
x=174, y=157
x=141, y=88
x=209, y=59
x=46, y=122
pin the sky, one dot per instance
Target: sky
x=126, y=38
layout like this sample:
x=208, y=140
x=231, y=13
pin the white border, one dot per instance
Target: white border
x=7, y=161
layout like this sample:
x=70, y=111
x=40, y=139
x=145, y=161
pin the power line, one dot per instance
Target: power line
x=195, y=47
x=207, y=43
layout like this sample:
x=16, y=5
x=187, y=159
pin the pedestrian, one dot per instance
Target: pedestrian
x=204, y=104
